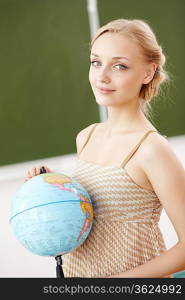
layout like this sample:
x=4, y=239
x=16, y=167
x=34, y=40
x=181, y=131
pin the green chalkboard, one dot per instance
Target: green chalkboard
x=45, y=97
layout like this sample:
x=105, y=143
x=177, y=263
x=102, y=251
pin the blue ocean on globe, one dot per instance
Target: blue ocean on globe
x=51, y=214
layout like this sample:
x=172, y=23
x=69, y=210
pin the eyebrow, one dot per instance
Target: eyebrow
x=116, y=57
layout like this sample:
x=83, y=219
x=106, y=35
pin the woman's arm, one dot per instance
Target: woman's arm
x=167, y=176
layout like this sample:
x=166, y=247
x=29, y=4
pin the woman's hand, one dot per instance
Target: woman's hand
x=34, y=171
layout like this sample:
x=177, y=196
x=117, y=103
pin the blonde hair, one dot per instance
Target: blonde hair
x=141, y=33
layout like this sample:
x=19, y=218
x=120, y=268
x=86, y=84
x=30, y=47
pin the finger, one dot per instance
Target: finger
x=38, y=171
x=29, y=174
x=33, y=171
x=47, y=169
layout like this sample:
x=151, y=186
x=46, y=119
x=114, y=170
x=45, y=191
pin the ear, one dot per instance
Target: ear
x=149, y=73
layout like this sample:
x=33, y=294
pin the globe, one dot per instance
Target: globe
x=51, y=214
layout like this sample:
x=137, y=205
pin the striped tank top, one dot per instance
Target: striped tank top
x=125, y=231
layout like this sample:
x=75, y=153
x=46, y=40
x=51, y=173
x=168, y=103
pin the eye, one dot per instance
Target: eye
x=122, y=67
x=95, y=63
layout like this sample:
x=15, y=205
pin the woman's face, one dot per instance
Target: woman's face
x=117, y=69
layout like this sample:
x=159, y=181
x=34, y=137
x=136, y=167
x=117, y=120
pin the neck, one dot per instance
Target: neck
x=125, y=120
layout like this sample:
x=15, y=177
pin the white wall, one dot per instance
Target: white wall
x=15, y=261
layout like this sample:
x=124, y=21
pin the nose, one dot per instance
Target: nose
x=103, y=75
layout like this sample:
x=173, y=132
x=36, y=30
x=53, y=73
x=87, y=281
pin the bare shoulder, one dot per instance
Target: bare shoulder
x=154, y=143
x=82, y=136
x=156, y=149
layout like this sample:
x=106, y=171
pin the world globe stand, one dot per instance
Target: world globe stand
x=59, y=270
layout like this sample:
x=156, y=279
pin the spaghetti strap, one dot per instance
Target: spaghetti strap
x=88, y=137
x=135, y=148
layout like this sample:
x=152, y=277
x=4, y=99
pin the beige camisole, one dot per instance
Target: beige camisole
x=125, y=231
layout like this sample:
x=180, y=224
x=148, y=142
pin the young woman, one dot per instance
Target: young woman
x=126, y=165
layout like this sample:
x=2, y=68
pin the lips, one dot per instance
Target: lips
x=105, y=89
